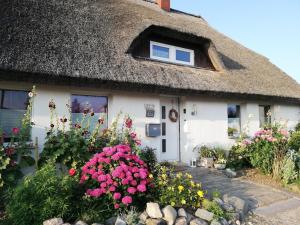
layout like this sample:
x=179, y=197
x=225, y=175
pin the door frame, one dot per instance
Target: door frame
x=178, y=155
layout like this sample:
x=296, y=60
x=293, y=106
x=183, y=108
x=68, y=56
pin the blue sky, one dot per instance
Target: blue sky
x=271, y=28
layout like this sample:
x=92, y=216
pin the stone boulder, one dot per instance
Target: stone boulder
x=169, y=214
x=151, y=221
x=204, y=214
x=215, y=222
x=153, y=210
x=182, y=213
x=80, y=223
x=198, y=221
x=230, y=173
x=54, y=221
x=120, y=221
x=228, y=207
x=111, y=221
x=143, y=217
x=181, y=221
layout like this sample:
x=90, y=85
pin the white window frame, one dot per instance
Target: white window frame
x=172, y=54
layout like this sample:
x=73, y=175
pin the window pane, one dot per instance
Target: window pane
x=96, y=104
x=264, y=118
x=233, y=111
x=10, y=118
x=160, y=51
x=15, y=100
x=183, y=56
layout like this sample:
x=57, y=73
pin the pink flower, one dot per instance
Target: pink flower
x=138, y=142
x=72, y=172
x=133, y=135
x=141, y=188
x=117, y=196
x=16, y=130
x=112, y=188
x=127, y=200
x=117, y=206
x=102, y=178
x=131, y=190
x=125, y=182
x=128, y=122
x=115, y=157
x=133, y=183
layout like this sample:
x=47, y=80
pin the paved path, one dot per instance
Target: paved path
x=275, y=206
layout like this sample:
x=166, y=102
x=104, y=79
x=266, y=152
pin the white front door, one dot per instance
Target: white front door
x=169, y=130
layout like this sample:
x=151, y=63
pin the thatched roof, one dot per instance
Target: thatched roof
x=86, y=42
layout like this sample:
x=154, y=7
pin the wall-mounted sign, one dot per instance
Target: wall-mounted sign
x=150, y=110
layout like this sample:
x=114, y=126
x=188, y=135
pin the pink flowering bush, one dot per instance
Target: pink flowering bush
x=268, y=146
x=118, y=174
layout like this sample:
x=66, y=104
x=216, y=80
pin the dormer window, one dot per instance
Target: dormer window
x=170, y=53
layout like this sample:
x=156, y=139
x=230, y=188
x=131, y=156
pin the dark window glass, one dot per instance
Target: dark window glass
x=13, y=105
x=159, y=51
x=163, y=129
x=234, y=121
x=233, y=111
x=164, y=149
x=183, y=56
x=163, y=112
x=85, y=104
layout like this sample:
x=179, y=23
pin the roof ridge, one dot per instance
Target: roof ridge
x=178, y=11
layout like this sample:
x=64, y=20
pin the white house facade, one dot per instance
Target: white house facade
x=183, y=83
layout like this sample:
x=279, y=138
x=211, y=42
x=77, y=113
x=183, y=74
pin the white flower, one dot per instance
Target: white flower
x=30, y=94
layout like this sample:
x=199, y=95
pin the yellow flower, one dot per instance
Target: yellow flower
x=200, y=193
x=179, y=175
x=172, y=203
x=183, y=202
x=192, y=184
x=150, y=175
x=198, y=185
x=180, y=188
x=164, y=176
x=189, y=176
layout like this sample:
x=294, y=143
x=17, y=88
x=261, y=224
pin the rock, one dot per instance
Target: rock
x=233, y=217
x=237, y=222
x=54, y=221
x=153, y=210
x=230, y=173
x=170, y=214
x=241, y=206
x=227, y=207
x=143, y=216
x=181, y=221
x=215, y=222
x=97, y=224
x=80, y=223
x=182, y=212
x=151, y=221
x=111, y=221
x=66, y=224
x=204, y=214
x=218, y=201
x=198, y=222
x=189, y=217
x=119, y=221
x=223, y=221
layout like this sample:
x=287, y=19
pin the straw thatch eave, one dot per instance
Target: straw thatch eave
x=88, y=40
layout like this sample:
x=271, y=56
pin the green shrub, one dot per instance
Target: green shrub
x=178, y=190
x=294, y=141
x=205, y=152
x=239, y=155
x=148, y=155
x=297, y=127
x=213, y=207
x=289, y=169
x=42, y=196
